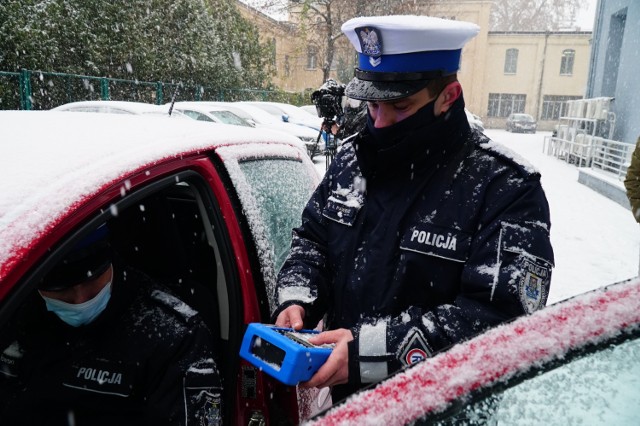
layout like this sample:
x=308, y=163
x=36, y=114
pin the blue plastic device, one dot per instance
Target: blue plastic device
x=283, y=353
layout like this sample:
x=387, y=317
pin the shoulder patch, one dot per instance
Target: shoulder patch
x=508, y=155
x=414, y=348
x=170, y=301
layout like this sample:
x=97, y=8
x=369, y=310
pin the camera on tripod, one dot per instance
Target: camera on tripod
x=328, y=101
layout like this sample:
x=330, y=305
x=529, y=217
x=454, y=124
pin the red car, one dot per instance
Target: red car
x=205, y=204
x=575, y=362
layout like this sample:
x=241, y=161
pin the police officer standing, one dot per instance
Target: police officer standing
x=423, y=232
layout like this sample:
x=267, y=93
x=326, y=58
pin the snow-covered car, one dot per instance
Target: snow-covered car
x=209, y=212
x=118, y=107
x=263, y=119
x=212, y=113
x=290, y=113
x=311, y=109
x=474, y=121
x=518, y=122
x=573, y=362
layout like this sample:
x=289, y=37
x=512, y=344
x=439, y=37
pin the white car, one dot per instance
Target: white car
x=118, y=107
x=311, y=109
x=290, y=113
x=262, y=119
x=203, y=111
x=474, y=120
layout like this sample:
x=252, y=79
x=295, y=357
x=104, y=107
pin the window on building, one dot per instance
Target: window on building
x=554, y=107
x=566, y=65
x=273, y=51
x=312, y=57
x=511, y=61
x=503, y=104
x=287, y=66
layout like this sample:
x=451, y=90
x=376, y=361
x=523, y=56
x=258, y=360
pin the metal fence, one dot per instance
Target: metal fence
x=607, y=155
x=30, y=89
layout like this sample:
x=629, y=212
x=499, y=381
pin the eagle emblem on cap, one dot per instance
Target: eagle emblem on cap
x=370, y=41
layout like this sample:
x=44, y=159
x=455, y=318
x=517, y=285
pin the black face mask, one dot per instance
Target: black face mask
x=388, y=136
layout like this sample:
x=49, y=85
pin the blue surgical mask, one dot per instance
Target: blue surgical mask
x=77, y=314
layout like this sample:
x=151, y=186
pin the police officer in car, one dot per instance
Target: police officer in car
x=102, y=344
x=423, y=232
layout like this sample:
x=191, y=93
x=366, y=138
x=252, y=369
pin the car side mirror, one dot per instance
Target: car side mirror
x=285, y=118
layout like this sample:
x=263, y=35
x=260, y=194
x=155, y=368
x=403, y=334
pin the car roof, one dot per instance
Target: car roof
x=503, y=352
x=201, y=106
x=132, y=107
x=50, y=161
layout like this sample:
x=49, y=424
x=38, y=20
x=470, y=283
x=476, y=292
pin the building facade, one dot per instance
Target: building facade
x=615, y=61
x=530, y=72
x=533, y=73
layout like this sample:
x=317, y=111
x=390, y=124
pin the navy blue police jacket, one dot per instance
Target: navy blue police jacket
x=418, y=245
x=148, y=359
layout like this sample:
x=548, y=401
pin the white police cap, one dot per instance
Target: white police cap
x=398, y=55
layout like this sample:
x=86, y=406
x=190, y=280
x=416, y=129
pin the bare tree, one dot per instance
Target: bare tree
x=533, y=15
x=319, y=23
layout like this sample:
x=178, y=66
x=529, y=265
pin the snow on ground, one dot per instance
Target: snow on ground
x=596, y=241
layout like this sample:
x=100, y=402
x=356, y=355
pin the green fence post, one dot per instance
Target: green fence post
x=25, y=90
x=158, y=93
x=68, y=88
x=104, y=89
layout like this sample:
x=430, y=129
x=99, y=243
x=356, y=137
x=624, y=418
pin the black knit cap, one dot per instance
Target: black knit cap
x=87, y=260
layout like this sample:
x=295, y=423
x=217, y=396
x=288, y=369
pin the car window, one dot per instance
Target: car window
x=196, y=115
x=273, y=110
x=228, y=117
x=600, y=388
x=280, y=195
x=259, y=115
x=174, y=232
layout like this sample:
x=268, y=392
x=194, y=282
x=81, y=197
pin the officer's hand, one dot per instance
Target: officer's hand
x=335, y=370
x=291, y=317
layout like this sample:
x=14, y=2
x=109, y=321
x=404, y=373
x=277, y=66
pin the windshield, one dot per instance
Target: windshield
x=258, y=115
x=228, y=117
x=603, y=385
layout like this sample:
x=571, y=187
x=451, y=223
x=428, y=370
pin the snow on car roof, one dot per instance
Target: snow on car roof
x=133, y=107
x=49, y=161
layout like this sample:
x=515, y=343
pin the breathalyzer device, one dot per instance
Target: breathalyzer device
x=283, y=353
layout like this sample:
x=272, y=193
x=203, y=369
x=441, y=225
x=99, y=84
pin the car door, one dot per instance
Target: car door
x=197, y=225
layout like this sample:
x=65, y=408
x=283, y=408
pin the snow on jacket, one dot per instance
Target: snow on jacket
x=147, y=359
x=419, y=246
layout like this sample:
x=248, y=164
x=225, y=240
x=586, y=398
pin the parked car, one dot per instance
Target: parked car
x=518, y=122
x=209, y=212
x=290, y=113
x=263, y=119
x=118, y=107
x=211, y=113
x=574, y=362
x=474, y=121
x=311, y=109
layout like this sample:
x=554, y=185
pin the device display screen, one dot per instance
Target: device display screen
x=267, y=352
